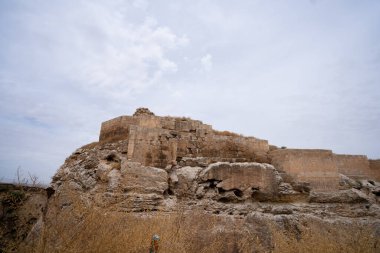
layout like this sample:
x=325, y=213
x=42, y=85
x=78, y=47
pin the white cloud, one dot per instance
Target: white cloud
x=206, y=62
x=97, y=46
x=141, y=4
x=134, y=59
x=66, y=66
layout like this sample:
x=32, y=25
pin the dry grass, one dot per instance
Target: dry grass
x=76, y=228
x=91, y=145
x=124, y=232
x=73, y=227
x=320, y=236
x=227, y=133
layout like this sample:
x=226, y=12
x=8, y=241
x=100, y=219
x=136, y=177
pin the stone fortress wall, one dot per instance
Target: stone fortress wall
x=316, y=166
x=355, y=166
x=161, y=141
x=374, y=168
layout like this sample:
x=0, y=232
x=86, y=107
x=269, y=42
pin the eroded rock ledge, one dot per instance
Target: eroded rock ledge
x=106, y=177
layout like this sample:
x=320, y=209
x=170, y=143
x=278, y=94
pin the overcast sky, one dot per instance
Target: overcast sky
x=302, y=73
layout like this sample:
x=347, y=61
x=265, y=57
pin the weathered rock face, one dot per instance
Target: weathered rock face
x=184, y=181
x=21, y=208
x=142, y=179
x=246, y=179
x=149, y=164
x=344, y=196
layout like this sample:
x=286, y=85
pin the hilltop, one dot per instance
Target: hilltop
x=204, y=190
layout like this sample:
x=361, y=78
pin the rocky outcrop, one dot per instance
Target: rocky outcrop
x=345, y=196
x=105, y=173
x=140, y=179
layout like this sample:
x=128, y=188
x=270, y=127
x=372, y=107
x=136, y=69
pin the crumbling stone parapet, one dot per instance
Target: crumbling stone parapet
x=143, y=111
x=159, y=141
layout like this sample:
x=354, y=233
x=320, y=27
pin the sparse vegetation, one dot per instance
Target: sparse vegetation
x=20, y=207
x=16, y=196
x=90, y=145
x=72, y=227
x=117, y=232
x=227, y=133
x=30, y=180
x=320, y=236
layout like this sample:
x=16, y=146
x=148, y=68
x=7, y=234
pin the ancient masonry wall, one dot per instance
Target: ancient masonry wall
x=315, y=166
x=374, y=166
x=118, y=128
x=354, y=166
x=159, y=141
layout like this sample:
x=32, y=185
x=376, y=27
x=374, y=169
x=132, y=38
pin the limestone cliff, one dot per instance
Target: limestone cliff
x=232, y=192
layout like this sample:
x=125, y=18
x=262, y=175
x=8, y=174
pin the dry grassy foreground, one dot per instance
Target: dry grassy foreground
x=78, y=229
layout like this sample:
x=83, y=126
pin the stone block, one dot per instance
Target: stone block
x=243, y=176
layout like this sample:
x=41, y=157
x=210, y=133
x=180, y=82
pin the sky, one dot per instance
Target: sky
x=299, y=73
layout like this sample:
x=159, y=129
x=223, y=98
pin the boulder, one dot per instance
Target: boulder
x=141, y=179
x=184, y=181
x=348, y=183
x=286, y=189
x=114, y=179
x=257, y=177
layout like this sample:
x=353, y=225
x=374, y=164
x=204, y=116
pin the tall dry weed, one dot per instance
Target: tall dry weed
x=318, y=236
x=71, y=225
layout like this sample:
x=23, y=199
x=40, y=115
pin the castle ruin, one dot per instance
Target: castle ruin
x=161, y=141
